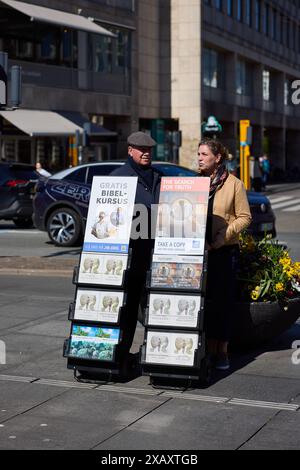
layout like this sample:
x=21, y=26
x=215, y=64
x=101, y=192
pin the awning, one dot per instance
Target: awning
x=49, y=15
x=40, y=123
x=79, y=119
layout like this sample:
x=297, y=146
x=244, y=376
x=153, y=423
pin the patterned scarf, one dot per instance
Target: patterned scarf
x=217, y=179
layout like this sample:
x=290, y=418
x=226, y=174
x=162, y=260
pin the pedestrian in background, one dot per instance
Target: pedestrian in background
x=231, y=164
x=39, y=168
x=255, y=174
x=266, y=169
x=228, y=215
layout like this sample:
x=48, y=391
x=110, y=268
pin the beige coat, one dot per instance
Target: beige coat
x=231, y=213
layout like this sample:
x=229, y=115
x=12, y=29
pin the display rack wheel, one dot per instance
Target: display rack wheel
x=166, y=383
x=87, y=377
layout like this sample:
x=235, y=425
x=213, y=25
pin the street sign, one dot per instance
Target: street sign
x=212, y=126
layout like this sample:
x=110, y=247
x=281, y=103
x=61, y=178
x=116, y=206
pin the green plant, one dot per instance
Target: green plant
x=266, y=271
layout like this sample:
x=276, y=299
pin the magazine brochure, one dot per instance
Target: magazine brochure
x=110, y=213
x=102, y=269
x=180, y=272
x=93, y=343
x=182, y=213
x=176, y=349
x=174, y=310
x=98, y=306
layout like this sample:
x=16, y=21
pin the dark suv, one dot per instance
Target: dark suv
x=17, y=183
x=61, y=201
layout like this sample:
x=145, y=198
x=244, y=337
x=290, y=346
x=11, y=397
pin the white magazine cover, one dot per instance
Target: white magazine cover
x=181, y=217
x=176, y=272
x=176, y=349
x=110, y=213
x=102, y=269
x=98, y=306
x=174, y=310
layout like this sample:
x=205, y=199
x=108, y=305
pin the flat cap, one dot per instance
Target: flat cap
x=141, y=139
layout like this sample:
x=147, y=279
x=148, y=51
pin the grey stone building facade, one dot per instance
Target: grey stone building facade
x=160, y=66
x=251, y=57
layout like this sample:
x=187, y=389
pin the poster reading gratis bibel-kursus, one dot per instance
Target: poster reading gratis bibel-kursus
x=110, y=214
x=182, y=213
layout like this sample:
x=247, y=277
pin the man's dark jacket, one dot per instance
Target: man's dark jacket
x=144, y=195
x=147, y=196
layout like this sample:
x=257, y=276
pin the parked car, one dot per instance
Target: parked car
x=61, y=201
x=17, y=183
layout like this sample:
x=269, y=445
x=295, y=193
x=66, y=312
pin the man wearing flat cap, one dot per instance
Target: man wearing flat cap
x=138, y=164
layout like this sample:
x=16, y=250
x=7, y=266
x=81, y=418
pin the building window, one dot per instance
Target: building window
x=273, y=18
x=257, y=14
x=213, y=66
x=288, y=42
x=102, y=60
x=266, y=85
x=266, y=19
x=249, y=12
x=243, y=78
x=240, y=10
x=286, y=92
x=218, y=4
x=281, y=28
x=229, y=8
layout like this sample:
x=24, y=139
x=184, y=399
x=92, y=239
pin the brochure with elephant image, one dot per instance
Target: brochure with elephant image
x=102, y=269
x=174, y=310
x=181, y=217
x=110, y=213
x=183, y=272
x=93, y=343
x=176, y=349
x=98, y=306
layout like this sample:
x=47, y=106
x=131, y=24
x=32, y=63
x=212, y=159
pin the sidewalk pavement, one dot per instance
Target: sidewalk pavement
x=255, y=405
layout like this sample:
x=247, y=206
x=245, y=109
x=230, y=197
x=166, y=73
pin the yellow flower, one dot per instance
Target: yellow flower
x=279, y=287
x=254, y=295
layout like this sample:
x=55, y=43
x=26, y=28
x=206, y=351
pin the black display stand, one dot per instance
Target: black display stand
x=96, y=370
x=175, y=376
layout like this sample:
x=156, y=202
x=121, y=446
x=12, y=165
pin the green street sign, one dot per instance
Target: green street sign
x=211, y=126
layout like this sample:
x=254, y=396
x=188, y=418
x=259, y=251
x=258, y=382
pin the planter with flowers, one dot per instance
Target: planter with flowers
x=268, y=293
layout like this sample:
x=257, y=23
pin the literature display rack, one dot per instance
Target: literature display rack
x=174, y=341
x=98, y=313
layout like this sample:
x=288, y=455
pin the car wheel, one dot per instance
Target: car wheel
x=64, y=227
x=23, y=223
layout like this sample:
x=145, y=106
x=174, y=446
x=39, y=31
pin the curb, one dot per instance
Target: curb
x=37, y=266
x=37, y=272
